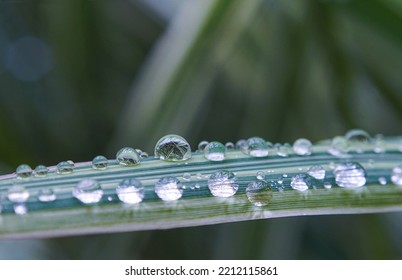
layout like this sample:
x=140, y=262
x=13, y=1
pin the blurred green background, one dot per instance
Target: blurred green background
x=81, y=78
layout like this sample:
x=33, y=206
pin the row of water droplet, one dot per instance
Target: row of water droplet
x=221, y=183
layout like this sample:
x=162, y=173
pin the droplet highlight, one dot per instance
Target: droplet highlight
x=17, y=194
x=396, y=175
x=223, y=183
x=300, y=182
x=317, y=172
x=173, y=148
x=259, y=193
x=169, y=189
x=88, y=191
x=350, y=175
x=46, y=195
x=130, y=191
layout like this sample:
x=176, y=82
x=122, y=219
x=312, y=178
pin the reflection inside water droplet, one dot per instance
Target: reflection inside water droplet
x=173, y=148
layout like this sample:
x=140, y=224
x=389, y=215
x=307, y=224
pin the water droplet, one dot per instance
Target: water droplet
x=17, y=194
x=127, y=156
x=198, y=176
x=187, y=176
x=350, y=175
x=280, y=182
x=223, y=183
x=138, y=151
x=241, y=145
x=197, y=186
x=144, y=155
x=284, y=150
x=173, y=148
x=41, y=171
x=339, y=146
x=229, y=146
x=357, y=139
x=20, y=209
x=327, y=185
x=99, y=162
x=215, y=151
x=109, y=198
x=65, y=167
x=317, y=172
x=88, y=191
x=260, y=175
x=184, y=187
x=285, y=175
x=257, y=147
x=130, y=191
x=396, y=176
x=379, y=144
x=300, y=182
x=382, y=180
x=23, y=171
x=46, y=195
x=168, y=188
x=302, y=147
x=259, y=193
x=202, y=145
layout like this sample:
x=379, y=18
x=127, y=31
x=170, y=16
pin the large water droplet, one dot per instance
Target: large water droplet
x=257, y=147
x=302, y=147
x=215, y=151
x=41, y=171
x=229, y=146
x=283, y=150
x=339, y=146
x=396, y=176
x=127, y=156
x=173, y=148
x=130, y=191
x=317, y=172
x=202, y=145
x=17, y=194
x=357, y=139
x=65, y=167
x=168, y=189
x=300, y=182
x=88, y=191
x=259, y=193
x=223, y=183
x=23, y=171
x=46, y=195
x=99, y=163
x=350, y=175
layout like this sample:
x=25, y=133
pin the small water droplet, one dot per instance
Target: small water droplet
x=184, y=187
x=259, y=193
x=327, y=185
x=229, y=146
x=138, y=151
x=300, y=182
x=198, y=176
x=241, y=145
x=257, y=147
x=202, y=145
x=284, y=150
x=168, y=188
x=144, y=155
x=382, y=180
x=46, y=195
x=130, y=191
x=41, y=171
x=223, y=183
x=23, y=171
x=357, y=139
x=396, y=176
x=260, y=175
x=17, y=194
x=99, y=162
x=317, y=172
x=339, y=147
x=187, y=176
x=379, y=144
x=350, y=175
x=88, y=191
x=65, y=167
x=127, y=156
x=280, y=182
x=215, y=151
x=173, y=148
x=197, y=186
x=109, y=198
x=285, y=175
x=20, y=209
x=302, y=147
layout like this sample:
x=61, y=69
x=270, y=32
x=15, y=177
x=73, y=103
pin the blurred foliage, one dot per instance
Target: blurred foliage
x=122, y=74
